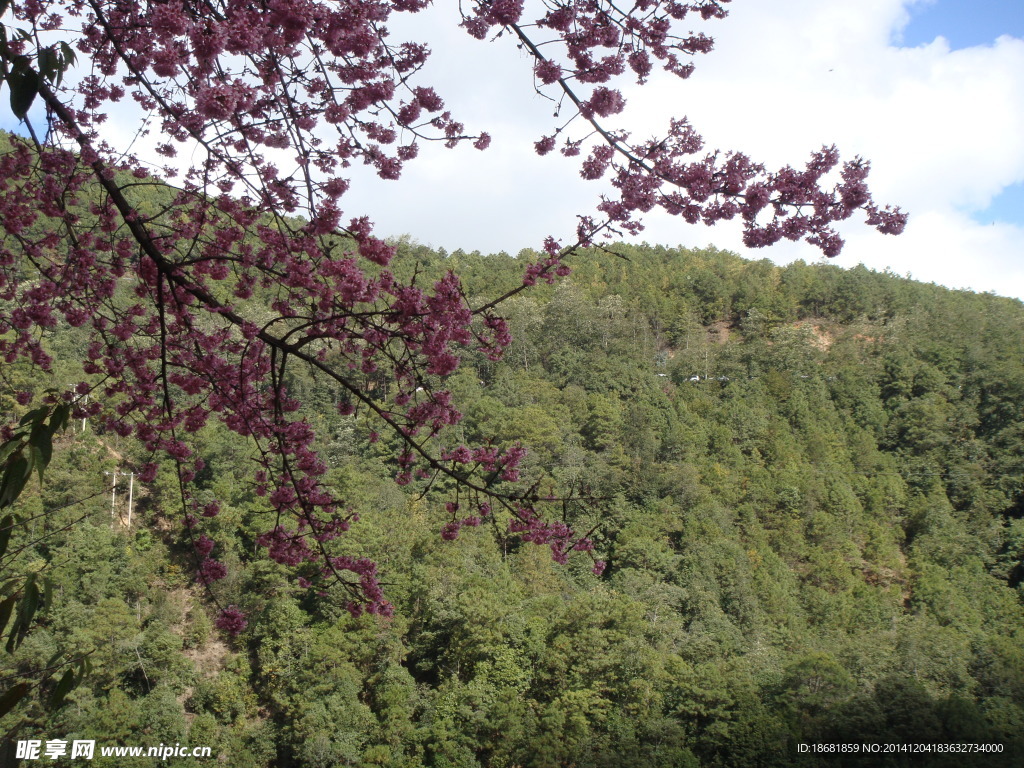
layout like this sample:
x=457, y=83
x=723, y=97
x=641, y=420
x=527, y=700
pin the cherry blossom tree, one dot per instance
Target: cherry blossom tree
x=259, y=259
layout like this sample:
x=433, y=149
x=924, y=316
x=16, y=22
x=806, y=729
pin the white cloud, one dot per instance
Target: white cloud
x=953, y=250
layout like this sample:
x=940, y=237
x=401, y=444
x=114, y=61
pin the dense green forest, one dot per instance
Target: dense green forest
x=809, y=488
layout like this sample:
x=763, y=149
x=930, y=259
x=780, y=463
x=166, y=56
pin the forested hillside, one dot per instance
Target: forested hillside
x=807, y=483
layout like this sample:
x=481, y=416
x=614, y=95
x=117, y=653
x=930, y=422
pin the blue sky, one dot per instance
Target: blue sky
x=1008, y=205
x=964, y=23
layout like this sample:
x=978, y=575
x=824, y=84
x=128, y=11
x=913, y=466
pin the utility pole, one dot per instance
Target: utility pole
x=85, y=400
x=131, y=489
x=113, y=494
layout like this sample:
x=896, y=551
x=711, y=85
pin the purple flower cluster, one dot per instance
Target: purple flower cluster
x=231, y=620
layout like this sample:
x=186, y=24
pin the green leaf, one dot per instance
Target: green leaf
x=59, y=419
x=12, y=697
x=47, y=593
x=67, y=682
x=6, y=527
x=6, y=607
x=10, y=447
x=48, y=63
x=18, y=471
x=35, y=415
x=38, y=464
x=30, y=602
x=69, y=55
x=24, y=85
x=26, y=612
x=42, y=449
x=14, y=638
